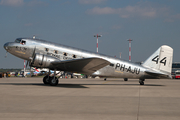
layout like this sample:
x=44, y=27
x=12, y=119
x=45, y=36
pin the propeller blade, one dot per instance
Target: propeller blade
x=34, y=52
x=27, y=63
x=31, y=58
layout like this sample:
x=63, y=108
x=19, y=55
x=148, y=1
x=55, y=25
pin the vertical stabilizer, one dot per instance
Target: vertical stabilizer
x=161, y=59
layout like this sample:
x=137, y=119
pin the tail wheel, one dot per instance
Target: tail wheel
x=141, y=81
x=53, y=81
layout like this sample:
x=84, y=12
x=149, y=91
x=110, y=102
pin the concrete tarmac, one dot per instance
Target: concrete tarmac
x=89, y=99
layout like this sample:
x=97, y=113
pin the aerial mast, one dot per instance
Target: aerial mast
x=129, y=49
x=97, y=40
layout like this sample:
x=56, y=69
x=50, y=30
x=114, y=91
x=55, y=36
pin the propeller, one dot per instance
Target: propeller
x=31, y=59
x=27, y=63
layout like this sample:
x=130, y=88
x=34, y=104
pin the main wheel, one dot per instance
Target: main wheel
x=46, y=79
x=53, y=81
x=141, y=82
x=125, y=79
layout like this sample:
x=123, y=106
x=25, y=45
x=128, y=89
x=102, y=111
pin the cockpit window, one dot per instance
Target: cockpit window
x=23, y=42
x=18, y=40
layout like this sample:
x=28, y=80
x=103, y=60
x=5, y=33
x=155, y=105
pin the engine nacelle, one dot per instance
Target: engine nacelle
x=42, y=61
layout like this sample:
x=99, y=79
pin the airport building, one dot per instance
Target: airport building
x=176, y=70
x=175, y=67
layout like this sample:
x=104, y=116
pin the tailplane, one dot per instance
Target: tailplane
x=161, y=59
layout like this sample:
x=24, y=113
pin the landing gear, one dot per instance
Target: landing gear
x=125, y=79
x=141, y=81
x=46, y=79
x=105, y=79
x=53, y=81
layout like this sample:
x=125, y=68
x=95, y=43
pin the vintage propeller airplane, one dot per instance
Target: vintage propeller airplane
x=44, y=54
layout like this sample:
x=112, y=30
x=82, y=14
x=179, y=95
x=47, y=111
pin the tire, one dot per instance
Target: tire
x=125, y=79
x=46, y=80
x=53, y=82
x=141, y=82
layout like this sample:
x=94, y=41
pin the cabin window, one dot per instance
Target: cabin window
x=46, y=49
x=65, y=54
x=74, y=56
x=55, y=51
x=112, y=65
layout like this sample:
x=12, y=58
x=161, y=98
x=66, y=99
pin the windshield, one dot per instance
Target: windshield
x=18, y=40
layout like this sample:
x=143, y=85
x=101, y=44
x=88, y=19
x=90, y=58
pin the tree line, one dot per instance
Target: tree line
x=9, y=70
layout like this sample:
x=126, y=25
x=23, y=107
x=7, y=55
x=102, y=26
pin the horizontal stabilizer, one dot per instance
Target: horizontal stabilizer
x=85, y=65
x=158, y=74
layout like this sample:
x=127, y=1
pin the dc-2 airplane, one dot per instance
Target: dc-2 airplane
x=44, y=54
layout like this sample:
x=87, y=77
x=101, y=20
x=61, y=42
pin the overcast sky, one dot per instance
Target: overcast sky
x=150, y=23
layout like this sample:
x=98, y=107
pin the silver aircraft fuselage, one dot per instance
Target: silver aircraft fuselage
x=26, y=48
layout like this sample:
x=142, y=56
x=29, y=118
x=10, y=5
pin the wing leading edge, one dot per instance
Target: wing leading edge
x=85, y=65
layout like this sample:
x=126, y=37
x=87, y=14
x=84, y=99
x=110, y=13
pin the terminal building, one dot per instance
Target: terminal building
x=175, y=67
x=176, y=70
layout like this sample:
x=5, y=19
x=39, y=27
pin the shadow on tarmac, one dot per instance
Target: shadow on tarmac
x=76, y=85
x=41, y=84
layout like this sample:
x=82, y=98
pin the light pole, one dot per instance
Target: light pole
x=97, y=40
x=129, y=48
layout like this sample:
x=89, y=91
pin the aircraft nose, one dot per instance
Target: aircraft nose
x=6, y=46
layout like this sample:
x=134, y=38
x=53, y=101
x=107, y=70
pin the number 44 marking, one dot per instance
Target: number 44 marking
x=156, y=59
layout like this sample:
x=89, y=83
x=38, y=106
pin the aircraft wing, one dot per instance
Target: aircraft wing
x=84, y=66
